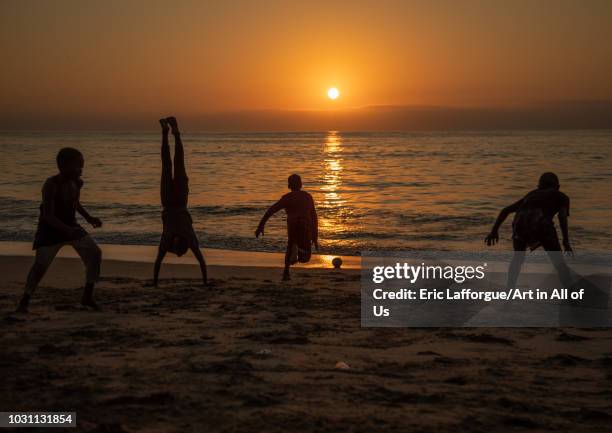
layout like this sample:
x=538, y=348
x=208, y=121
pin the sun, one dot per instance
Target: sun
x=333, y=93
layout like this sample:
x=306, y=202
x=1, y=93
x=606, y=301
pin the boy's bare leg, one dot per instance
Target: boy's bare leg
x=516, y=264
x=166, y=176
x=179, y=157
x=90, y=253
x=563, y=271
x=180, y=181
x=179, y=152
x=42, y=261
x=286, y=275
x=515, y=268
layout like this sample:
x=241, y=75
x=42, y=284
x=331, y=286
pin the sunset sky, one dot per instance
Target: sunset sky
x=259, y=63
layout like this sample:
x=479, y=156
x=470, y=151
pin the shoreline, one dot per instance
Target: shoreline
x=214, y=257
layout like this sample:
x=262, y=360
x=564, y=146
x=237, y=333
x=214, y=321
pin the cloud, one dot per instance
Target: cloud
x=550, y=115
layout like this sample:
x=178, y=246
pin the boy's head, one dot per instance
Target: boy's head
x=294, y=182
x=548, y=180
x=70, y=162
x=179, y=245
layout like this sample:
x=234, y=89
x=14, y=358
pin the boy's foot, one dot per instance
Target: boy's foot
x=90, y=303
x=24, y=303
x=164, y=125
x=88, y=300
x=286, y=276
x=173, y=124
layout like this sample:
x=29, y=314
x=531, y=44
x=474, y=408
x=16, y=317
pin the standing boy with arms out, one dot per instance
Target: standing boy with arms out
x=57, y=226
x=302, y=223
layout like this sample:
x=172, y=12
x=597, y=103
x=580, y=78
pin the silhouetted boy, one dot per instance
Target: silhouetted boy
x=178, y=235
x=57, y=226
x=302, y=223
x=533, y=226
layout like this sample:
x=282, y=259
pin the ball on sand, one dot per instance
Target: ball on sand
x=337, y=262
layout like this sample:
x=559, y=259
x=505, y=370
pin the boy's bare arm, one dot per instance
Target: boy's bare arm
x=315, y=225
x=271, y=211
x=198, y=255
x=161, y=253
x=95, y=222
x=493, y=237
x=564, y=228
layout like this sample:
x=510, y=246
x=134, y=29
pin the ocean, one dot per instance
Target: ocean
x=373, y=191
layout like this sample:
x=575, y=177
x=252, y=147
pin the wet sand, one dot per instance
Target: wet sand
x=251, y=353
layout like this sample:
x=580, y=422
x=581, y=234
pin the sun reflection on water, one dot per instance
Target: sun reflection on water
x=333, y=201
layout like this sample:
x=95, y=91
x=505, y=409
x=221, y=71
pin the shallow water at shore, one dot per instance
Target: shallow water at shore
x=214, y=257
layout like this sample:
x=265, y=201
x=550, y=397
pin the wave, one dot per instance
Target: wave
x=345, y=230
x=19, y=207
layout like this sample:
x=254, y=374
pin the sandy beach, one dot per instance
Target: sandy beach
x=253, y=353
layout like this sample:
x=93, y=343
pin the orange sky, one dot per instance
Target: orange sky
x=131, y=59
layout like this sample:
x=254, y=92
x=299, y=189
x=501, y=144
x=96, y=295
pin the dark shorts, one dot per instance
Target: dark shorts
x=47, y=236
x=532, y=229
x=546, y=238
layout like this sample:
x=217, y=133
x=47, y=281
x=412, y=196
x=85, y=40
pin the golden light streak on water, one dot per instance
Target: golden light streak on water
x=332, y=180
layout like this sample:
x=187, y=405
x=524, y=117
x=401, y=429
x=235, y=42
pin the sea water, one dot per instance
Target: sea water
x=373, y=191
